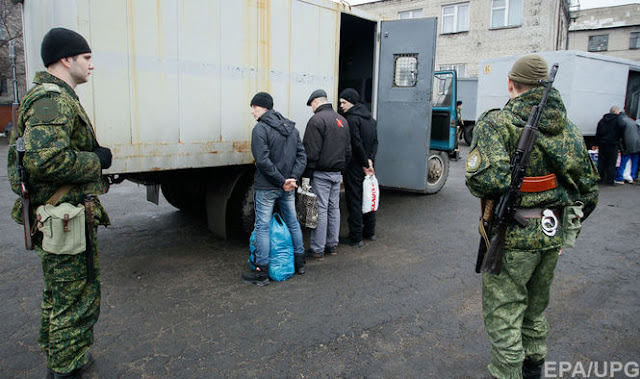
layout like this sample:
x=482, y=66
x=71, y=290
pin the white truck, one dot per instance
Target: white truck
x=173, y=79
x=588, y=83
x=468, y=94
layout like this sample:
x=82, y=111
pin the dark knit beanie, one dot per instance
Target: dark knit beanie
x=350, y=95
x=262, y=99
x=60, y=43
x=529, y=69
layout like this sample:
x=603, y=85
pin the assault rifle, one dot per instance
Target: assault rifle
x=505, y=209
x=20, y=150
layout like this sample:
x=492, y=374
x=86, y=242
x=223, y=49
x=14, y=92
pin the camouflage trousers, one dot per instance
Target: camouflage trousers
x=513, y=305
x=70, y=308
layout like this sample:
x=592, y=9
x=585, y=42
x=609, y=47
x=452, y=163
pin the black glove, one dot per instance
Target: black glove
x=104, y=154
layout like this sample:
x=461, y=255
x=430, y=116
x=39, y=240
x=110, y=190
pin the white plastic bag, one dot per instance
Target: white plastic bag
x=370, y=194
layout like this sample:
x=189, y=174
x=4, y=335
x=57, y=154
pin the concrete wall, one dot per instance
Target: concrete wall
x=616, y=22
x=543, y=27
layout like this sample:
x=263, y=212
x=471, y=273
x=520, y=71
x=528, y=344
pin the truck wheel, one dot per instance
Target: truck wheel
x=468, y=134
x=438, y=166
x=188, y=197
x=241, y=211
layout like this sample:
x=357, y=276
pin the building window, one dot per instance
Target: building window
x=506, y=13
x=455, y=18
x=460, y=69
x=598, y=43
x=406, y=70
x=634, y=41
x=414, y=13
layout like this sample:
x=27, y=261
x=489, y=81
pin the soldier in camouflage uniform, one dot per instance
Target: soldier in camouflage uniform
x=560, y=175
x=61, y=149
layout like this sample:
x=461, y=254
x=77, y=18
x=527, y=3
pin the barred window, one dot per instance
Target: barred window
x=406, y=70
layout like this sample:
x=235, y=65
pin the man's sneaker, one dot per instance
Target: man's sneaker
x=618, y=182
x=371, y=237
x=315, y=256
x=332, y=250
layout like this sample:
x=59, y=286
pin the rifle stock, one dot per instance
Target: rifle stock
x=493, y=261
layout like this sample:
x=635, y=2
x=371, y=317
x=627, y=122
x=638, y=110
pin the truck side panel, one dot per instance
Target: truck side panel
x=589, y=84
x=173, y=78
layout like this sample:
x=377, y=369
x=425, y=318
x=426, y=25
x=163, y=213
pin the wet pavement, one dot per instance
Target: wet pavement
x=406, y=305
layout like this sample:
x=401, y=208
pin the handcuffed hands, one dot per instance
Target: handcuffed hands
x=289, y=184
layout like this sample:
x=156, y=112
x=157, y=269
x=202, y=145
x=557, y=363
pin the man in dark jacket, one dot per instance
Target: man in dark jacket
x=608, y=134
x=630, y=149
x=364, y=145
x=326, y=141
x=280, y=160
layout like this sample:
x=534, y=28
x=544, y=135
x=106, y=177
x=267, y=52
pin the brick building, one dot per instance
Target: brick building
x=474, y=30
x=613, y=31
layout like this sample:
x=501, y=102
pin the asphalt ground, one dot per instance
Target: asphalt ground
x=404, y=306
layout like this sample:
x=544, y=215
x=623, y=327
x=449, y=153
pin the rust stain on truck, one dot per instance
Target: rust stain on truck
x=242, y=146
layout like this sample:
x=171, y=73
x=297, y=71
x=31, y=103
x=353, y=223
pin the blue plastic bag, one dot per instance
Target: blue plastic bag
x=281, y=265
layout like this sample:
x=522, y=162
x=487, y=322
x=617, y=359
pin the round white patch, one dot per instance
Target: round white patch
x=473, y=161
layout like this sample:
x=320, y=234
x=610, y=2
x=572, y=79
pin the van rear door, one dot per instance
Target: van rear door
x=405, y=76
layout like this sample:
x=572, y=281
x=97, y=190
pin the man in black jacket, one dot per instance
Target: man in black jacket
x=280, y=160
x=326, y=141
x=364, y=145
x=608, y=135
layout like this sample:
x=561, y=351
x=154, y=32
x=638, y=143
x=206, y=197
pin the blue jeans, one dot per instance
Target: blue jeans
x=264, y=203
x=623, y=163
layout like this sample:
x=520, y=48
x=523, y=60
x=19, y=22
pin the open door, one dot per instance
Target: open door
x=407, y=52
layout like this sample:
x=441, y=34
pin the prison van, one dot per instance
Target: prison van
x=173, y=79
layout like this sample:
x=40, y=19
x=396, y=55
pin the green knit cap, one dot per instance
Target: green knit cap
x=529, y=69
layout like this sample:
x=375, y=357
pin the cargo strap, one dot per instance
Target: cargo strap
x=538, y=183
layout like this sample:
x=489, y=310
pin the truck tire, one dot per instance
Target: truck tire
x=188, y=197
x=467, y=134
x=241, y=211
x=438, y=171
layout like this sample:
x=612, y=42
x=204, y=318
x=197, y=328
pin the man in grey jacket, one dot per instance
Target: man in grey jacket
x=280, y=160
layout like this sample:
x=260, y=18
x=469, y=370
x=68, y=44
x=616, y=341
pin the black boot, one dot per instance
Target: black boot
x=259, y=276
x=531, y=369
x=299, y=264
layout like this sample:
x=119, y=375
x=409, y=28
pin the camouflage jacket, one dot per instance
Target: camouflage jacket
x=59, y=141
x=559, y=149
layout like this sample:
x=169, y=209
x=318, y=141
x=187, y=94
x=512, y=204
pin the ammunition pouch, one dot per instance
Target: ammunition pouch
x=62, y=227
